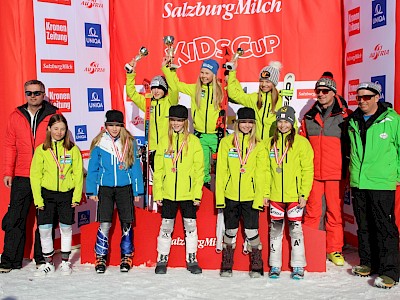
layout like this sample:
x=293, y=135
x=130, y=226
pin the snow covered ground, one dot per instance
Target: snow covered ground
x=142, y=283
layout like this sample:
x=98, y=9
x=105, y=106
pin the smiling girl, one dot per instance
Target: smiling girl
x=291, y=170
x=178, y=180
x=114, y=177
x=56, y=178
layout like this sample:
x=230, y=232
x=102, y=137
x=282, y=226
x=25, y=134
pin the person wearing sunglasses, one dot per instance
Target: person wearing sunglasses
x=323, y=126
x=374, y=174
x=26, y=129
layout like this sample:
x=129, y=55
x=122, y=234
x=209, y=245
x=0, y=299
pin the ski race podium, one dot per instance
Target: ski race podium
x=147, y=226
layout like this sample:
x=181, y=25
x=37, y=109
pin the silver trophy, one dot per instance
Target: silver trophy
x=142, y=53
x=231, y=65
x=169, y=42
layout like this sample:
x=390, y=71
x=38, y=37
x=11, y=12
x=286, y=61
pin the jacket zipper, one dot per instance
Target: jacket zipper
x=155, y=119
x=176, y=165
x=58, y=171
x=208, y=97
x=240, y=173
x=282, y=163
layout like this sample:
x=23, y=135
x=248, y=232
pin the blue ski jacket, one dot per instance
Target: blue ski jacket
x=103, y=169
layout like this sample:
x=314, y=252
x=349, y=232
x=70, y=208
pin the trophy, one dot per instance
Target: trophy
x=142, y=53
x=231, y=65
x=169, y=42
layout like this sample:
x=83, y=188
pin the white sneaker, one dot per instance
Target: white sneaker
x=45, y=270
x=65, y=268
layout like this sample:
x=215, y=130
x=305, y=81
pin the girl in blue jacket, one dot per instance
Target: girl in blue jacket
x=114, y=177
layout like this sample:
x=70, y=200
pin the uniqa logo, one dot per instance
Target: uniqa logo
x=94, y=67
x=378, y=52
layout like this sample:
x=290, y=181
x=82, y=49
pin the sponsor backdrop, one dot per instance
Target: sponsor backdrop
x=78, y=49
x=370, y=35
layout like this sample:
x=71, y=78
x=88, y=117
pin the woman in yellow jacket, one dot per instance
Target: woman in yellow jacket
x=240, y=187
x=162, y=98
x=206, y=97
x=178, y=182
x=56, y=181
x=292, y=171
x=265, y=102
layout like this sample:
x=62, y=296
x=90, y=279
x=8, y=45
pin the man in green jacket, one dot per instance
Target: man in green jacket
x=374, y=131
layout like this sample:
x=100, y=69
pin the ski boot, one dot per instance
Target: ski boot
x=100, y=264
x=274, y=272
x=337, y=258
x=361, y=270
x=161, y=267
x=256, y=263
x=227, y=260
x=192, y=265
x=126, y=262
x=297, y=273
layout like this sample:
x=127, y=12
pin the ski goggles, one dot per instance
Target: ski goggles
x=35, y=93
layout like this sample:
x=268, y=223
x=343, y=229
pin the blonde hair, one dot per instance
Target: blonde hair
x=217, y=92
x=125, y=136
x=252, y=136
x=186, y=133
x=274, y=99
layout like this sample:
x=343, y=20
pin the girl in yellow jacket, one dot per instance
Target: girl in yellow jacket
x=178, y=183
x=56, y=181
x=206, y=97
x=292, y=171
x=265, y=102
x=162, y=98
x=240, y=186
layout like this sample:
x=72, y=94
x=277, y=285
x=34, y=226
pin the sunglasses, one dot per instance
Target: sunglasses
x=365, y=97
x=324, y=91
x=36, y=93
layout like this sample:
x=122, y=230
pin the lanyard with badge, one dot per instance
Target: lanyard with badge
x=175, y=159
x=242, y=161
x=59, y=166
x=280, y=160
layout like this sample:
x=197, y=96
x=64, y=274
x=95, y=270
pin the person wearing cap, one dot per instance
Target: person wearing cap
x=26, y=130
x=324, y=126
x=162, y=97
x=374, y=174
x=206, y=98
x=241, y=179
x=292, y=172
x=114, y=178
x=265, y=102
x=178, y=182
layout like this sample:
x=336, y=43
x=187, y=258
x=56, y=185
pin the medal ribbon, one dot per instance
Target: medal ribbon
x=279, y=161
x=175, y=159
x=119, y=156
x=60, y=168
x=242, y=161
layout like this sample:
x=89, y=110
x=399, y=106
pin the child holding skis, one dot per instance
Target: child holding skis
x=265, y=102
x=114, y=177
x=240, y=184
x=178, y=180
x=206, y=97
x=56, y=179
x=291, y=170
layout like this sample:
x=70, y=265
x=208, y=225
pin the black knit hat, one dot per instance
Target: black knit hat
x=178, y=112
x=114, y=116
x=246, y=113
x=286, y=113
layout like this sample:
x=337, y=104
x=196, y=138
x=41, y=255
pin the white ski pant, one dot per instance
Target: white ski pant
x=294, y=214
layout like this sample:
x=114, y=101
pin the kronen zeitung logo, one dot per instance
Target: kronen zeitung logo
x=205, y=47
x=225, y=10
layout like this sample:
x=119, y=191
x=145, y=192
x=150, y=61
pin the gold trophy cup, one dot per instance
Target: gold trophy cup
x=169, y=42
x=142, y=53
x=231, y=65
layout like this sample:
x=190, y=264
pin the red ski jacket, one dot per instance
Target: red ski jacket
x=328, y=135
x=22, y=139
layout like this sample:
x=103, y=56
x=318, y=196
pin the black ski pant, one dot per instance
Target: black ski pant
x=378, y=236
x=14, y=225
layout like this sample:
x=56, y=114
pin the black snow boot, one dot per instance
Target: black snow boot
x=256, y=263
x=161, y=267
x=227, y=260
x=192, y=265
